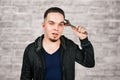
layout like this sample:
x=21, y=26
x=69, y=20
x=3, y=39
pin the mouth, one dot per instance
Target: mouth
x=54, y=37
x=55, y=34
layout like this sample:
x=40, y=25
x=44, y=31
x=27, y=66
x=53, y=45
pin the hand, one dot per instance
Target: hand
x=81, y=32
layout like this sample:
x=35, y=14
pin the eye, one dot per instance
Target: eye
x=51, y=23
x=61, y=24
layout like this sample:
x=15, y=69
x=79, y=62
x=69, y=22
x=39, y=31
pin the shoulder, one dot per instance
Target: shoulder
x=30, y=46
x=36, y=44
x=30, y=49
x=66, y=39
x=68, y=42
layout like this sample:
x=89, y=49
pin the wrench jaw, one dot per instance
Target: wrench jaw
x=67, y=23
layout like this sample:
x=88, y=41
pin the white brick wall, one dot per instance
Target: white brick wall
x=20, y=24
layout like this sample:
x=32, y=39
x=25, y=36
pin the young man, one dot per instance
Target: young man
x=52, y=56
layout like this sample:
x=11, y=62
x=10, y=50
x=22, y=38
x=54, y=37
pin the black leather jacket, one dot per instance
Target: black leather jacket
x=33, y=66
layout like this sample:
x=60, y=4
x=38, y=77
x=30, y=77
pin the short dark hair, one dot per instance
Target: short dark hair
x=54, y=9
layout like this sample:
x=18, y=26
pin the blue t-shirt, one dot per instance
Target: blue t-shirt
x=53, y=66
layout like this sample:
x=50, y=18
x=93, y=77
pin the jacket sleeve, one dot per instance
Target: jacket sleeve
x=26, y=72
x=85, y=56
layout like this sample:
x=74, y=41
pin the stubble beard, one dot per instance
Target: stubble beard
x=53, y=39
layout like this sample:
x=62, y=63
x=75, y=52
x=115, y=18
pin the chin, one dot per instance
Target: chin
x=53, y=40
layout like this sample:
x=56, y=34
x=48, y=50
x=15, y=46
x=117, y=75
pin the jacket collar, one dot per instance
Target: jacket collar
x=38, y=42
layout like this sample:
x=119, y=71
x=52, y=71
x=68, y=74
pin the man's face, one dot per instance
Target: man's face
x=53, y=26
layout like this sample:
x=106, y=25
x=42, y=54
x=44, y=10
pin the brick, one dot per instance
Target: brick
x=20, y=2
x=116, y=8
x=5, y=2
x=5, y=24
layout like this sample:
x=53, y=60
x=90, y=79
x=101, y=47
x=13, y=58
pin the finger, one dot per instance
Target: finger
x=76, y=28
x=83, y=30
x=80, y=30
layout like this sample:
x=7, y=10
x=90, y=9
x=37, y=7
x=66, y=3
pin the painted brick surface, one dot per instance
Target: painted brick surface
x=20, y=24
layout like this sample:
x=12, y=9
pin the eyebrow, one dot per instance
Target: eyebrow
x=50, y=21
x=60, y=22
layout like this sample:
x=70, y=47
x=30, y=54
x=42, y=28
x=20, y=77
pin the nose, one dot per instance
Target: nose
x=56, y=27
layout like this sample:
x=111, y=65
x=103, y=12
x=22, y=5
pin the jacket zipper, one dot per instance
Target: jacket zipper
x=43, y=65
x=63, y=75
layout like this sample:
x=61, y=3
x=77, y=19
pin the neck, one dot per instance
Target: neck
x=49, y=42
x=50, y=46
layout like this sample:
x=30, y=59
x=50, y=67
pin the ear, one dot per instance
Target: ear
x=43, y=25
